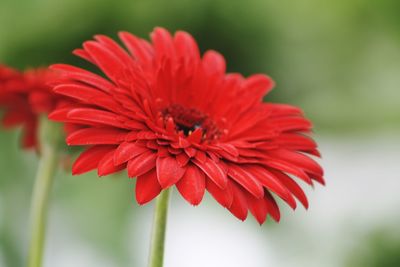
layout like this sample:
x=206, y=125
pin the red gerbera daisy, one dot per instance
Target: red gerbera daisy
x=173, y=117
x=24, y=96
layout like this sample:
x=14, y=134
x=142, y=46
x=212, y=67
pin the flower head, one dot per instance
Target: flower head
x=23, y=96
x=172, y=116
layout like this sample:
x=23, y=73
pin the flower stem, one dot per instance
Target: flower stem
x=159, y=225
x=49, y=135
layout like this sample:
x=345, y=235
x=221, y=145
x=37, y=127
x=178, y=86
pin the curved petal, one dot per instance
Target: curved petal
x=147, y=187
x=239, y=205
x=257, y=207
x=96, y=136
x=141, y=164
x=223, y=196
x=214, y=171
x=127, y=151
x=192, y=185
x=246, y=179
x=89, y=159
x=106, y=165
x=169, y=172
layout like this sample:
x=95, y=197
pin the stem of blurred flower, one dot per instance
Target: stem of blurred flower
x=49, y=134
x=159, y=226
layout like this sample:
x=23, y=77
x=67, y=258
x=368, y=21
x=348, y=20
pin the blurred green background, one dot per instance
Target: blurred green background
x=338, y=60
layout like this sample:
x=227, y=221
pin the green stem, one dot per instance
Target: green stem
x=159, y=225
x=49, y=134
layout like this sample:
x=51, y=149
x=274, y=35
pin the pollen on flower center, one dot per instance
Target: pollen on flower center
x=188, y=120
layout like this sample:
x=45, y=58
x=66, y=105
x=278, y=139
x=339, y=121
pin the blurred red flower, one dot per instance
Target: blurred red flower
x=173, y=117
x=23, y=96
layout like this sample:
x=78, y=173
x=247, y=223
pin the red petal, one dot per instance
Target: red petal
x=195, y=136
x=41, y=101
x=152, y=144
x=258, y=85
x=283, y=110
x=294, y=188
x=91, y=115
x=314, y=152
x=273, y=183
x=12, y=118
x=318, y=178
x=289, y=168
x=257, y=207
x=83, y=54
x=127, y=151
x=168, y=171
x=94, y=136
x=295, y=141
x=223, y=196
x=246, y=179
x=84, y=76
x=162, y=42
x=147, y=187
x=239, y=205
x=106, y=165
x=135, y=47
x=105, y=59
x=190, y=151
x=192, y=185
x=29, y=138
x=113, y=46
x=214, y=171
x=141, y=164
x=163, y=152
x=89, y=159
x=290, y=124
x=80, y=92
x=182, y=159
x=214, y=62
x=201, y=156
x=273, y=208
x=174, y=151
x=59, y=114
x=298, y=159
x=186, y=46
x=229, y=148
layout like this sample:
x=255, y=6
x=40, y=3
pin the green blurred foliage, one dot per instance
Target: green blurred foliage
x=97, y=209
x=339, y=60
x=381, y=248
x=16, y=174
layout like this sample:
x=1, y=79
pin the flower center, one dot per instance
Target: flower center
x=188, y=120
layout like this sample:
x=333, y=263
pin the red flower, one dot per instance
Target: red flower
x=24, y=96
x=173, y=117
